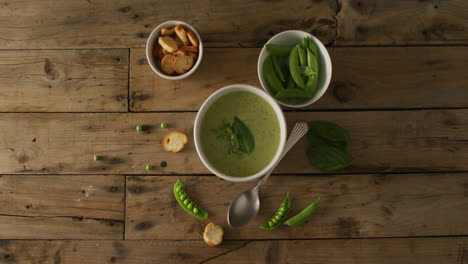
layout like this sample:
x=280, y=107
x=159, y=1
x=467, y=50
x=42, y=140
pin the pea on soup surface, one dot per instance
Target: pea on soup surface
x=260, y=118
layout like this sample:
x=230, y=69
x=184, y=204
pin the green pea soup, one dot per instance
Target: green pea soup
x=259, y=117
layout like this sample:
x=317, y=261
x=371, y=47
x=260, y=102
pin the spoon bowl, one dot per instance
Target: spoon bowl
x=243, y=208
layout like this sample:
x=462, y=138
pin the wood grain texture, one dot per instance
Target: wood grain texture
x=64, y=80
x=371, y=22
x=383, y=141
x=61, y=207
x=363, y=78
x=358, y=205
x=126, y=23
x=343, y=251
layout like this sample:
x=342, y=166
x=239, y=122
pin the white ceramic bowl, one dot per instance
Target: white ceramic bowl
x=291, y=38
x=214, y=97
x=153, y=38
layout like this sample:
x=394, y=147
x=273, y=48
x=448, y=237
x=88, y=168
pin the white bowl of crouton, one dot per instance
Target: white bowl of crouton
x=174, y=50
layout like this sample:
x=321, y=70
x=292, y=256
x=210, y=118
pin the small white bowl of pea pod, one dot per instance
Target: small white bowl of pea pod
x=276, y=78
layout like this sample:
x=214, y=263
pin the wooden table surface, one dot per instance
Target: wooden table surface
x=75, y=82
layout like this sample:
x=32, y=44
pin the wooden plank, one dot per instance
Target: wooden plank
x=61, y=207
x=383, y=141
x=363, y=78
x=106, y=23
x=402, y=22
x=358, y=205
x=64, y=80
x=365, y=251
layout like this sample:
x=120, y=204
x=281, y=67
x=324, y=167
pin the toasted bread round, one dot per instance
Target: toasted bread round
x=181, y=34
x=174, y=141
x=164, y=52
x=167, y=32
x=183, y=63
x=213, y=234
x=167, y=64
x=157, y=52
x=193, y=39
x=190, y=48
x=179, y=42
x=168, y=43
x=180, y=52
x=193, y=55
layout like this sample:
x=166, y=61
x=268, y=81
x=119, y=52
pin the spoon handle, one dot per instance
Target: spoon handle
x=299, y=130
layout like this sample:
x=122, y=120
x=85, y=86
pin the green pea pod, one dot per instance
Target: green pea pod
x=311, y=85
x=313, y=47
x=277, y=65
x=301, y=217
x=186, y=203
x=312, y=80
x=279, y=216
x=302, y=55
x=270, y=75
x=312, y=61
x=292, y=93
x=278, y=50
x=294, y=68
x=305, y=42
x=291, y=83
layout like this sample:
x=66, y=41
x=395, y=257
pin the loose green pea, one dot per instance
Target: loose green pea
x=277, y=219
x=163, y=125
x=97, y=157
x=149, y=167
x=186, y=203
x=139, y=128
x=301, y=217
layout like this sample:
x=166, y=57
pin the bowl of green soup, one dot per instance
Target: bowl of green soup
x=240, y=132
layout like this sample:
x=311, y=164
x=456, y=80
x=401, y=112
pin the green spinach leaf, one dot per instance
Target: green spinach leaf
x=244, y=136
x=238, y=135
x=330, y=146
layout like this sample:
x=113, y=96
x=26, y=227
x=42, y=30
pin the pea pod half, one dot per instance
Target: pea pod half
x=186, y=203
x=294, y=68
x=292, y=93
x=269, y=73
x=301, y=217
x=278, y=50
x=280, y=215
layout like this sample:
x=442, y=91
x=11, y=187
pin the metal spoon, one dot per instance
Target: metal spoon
x=245, y=206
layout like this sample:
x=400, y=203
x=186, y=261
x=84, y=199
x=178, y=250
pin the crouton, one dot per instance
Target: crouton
x=167, y=64
x=167, y=32
x=190, y=48
x=168, y=43
x=174, y=141
x=183, y=63
x=193, y=39
x=181, y=34
x=213, y=234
